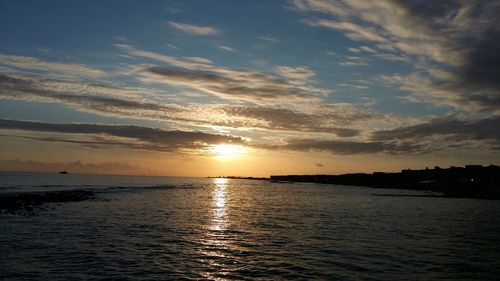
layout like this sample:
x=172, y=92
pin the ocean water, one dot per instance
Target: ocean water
x=163, y=228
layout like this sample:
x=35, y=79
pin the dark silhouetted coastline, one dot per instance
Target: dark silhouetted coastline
x=471, y=181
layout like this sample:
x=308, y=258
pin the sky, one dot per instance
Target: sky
x=248, y=88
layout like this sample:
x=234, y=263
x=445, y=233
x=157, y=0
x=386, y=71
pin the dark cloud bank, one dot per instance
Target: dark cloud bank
x=29, y=87
x=143, y=137
x=439, y=133
x=455, y=44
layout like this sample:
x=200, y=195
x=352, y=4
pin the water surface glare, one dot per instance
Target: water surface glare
x=158, y=228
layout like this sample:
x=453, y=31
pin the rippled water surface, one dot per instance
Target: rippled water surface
x=157, y=228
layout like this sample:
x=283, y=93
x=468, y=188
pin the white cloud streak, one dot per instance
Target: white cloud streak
x=459, y=39
x=32, y=63
x=194, y=29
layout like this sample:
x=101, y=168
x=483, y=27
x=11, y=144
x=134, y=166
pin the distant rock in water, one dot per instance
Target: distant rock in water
x=29, y=202
x=63, y=172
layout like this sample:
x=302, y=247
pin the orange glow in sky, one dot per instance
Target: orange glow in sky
x=227, y=151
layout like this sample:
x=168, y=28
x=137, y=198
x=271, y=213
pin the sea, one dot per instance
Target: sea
x=94, y=227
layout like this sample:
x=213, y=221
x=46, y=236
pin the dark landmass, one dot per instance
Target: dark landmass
x=29, y=202
x=471, y=181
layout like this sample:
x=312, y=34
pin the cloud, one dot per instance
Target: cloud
x=95, y=98
x=368, y=49
x=172, y=46
x=449, y=132
x=354, y=31
x=22, y=81
x=438, y=134
x=434, y=135
x=326, y=118
x=460, y=38
x=230, y=84
x=139, y=138
x=174, y=61
x=122, y=102
x=227, y=84
x=448, y=127
x=444, y=88
x=354, y=61
x=201, y=60
x=131, y=137
x=339, y=147
x=416, y=27
x=334, y=8
x=194, y=29
x=392, y=57
x=269, y=39
x=297, y=72
x=226, y=48
x=286, y=102
x=31, y=63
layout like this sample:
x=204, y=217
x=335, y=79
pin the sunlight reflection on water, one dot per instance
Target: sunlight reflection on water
x=215, y=240
x=224, y=229
x=219, y=219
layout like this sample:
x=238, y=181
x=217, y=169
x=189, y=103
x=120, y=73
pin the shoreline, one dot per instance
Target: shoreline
x=471, y=181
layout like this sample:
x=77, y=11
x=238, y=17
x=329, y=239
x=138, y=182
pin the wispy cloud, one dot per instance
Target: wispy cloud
x=226, y=83
x=269, y=39
x=172, y=46
x=339, y=147
x=353, y=31
x=96, y=98
x=178, y=62
x=368, y=49
x=131, y=137
x=295, y=72
x=194, y=29
x=123, y=102
x=59, y=68
x=449, y=132
x=270, y=99
x=336, y=8
x=244, y=85
x=325, y=120
x=449, y=128
x=100, y=136
x=438, y=134
x=354, y=61
x=226, y=48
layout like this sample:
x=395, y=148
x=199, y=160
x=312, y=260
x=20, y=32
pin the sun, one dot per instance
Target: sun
x=227, y=151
